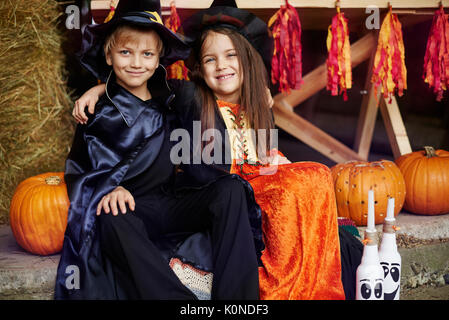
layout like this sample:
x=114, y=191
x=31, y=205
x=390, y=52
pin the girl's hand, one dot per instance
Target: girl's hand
x=278, y=159
x=119, y=196
x=89, y=99
x=275, y=158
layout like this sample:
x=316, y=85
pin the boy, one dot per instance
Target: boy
x=121, y=156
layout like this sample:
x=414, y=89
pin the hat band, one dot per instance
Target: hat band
x=151, y=15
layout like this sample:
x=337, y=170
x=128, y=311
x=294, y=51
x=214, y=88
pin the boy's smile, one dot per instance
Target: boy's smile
x=134, y=59
x=220, y=67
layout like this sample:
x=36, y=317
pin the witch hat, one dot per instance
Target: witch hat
x=142, y=13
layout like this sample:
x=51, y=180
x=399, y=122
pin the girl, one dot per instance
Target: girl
x=228, y=93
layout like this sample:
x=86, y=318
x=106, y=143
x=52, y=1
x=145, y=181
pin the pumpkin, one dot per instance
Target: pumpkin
x=38, y=213
x=353, y=179
x=426, y=175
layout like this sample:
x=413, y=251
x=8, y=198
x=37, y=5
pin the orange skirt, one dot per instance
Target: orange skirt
x=301, y=260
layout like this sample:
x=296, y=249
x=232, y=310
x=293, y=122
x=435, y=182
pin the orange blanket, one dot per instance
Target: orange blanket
x=299, y=216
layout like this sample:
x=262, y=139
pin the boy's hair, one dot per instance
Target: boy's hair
x=125, y=33
x=253, y=94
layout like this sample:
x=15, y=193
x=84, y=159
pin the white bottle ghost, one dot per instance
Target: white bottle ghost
x=389, y=256
x=370, y=274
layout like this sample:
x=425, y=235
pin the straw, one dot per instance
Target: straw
x=36, y=126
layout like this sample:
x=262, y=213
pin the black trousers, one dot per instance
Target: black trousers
x=140, y=271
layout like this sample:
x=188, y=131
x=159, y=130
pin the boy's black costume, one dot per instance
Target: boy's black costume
x=127, y=142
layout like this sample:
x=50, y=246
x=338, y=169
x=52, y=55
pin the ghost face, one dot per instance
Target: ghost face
x=392, y=276
x=370, y=289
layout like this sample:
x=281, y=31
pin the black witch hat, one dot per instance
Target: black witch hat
x=144, y=13
x=225, y=14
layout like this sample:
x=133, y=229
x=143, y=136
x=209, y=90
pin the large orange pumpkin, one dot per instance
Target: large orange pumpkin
x=353, y=179
x=426, y=175
x=38, y=213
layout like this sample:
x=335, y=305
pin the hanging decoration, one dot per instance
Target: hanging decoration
x=339, y=72
x=112, y=7
x=436, y=60
x=286, y=64
x=176, y=70
x=389, y=69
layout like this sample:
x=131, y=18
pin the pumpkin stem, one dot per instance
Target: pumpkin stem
x=430, y=151
x=53, y=180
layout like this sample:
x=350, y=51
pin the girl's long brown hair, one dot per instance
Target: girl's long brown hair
x=253, y=96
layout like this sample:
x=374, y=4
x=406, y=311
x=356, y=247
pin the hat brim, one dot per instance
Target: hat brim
x=92, y=54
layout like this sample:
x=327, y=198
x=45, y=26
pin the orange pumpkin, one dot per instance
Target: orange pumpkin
x=353, y=179
x=426, y=175
x=38, y=213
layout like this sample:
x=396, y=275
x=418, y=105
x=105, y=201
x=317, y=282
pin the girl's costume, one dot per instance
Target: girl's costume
x=127, y=142
x=302, y=258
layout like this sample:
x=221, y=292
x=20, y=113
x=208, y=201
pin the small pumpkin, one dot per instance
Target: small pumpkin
x=38, y=213
x=353, y=179
x=426, y=174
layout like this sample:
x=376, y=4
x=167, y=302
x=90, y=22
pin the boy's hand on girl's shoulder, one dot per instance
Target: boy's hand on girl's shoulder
x=89, y=99
x=79, y=112
x=119, y=196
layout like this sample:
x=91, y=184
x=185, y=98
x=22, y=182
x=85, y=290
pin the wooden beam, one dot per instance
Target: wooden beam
x=308, y=133
x=367, y=115
x=395, y=128
x=259, y=4
x=316, y=80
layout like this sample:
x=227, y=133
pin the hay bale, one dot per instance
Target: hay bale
x=35, y=103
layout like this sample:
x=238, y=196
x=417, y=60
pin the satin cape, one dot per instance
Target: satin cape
x=120, y=141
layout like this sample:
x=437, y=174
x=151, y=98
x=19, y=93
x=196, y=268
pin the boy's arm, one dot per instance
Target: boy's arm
x=88, y=99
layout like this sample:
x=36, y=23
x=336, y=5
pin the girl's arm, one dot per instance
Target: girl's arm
x=88, y=99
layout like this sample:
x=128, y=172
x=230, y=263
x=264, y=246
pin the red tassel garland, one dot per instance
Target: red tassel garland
x=339, y=72
x=436, y=60
x=286, y=64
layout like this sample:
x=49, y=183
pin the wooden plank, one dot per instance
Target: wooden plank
x=367, y=115
x=308, y=133
x=316, y=80
x=397, y=135
x=259, y=4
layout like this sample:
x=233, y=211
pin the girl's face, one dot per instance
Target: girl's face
x=220, y=67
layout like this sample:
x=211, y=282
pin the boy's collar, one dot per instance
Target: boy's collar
x=128, y=105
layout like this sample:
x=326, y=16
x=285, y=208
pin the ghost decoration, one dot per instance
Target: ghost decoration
x=389, y=256
x=370, y=274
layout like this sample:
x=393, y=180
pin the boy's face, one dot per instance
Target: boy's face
x=134, y=59
x=220, y=67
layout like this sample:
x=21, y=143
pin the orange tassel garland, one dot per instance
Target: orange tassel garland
x=176, y=70
x=286, y=64
x=339, y=72
x=389, y=62
x=112, y=7
x=436, y=60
